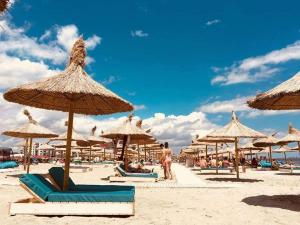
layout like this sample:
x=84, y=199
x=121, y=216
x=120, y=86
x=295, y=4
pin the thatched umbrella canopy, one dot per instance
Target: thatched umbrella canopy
x=126, y=132
x=93, y=140
x=285, y=96
x=292, y=136
x=45, y=147
x=216, y=141
x=72, y=91
x=235, y=129
x=250, y=147
x=283, y=149
x=4, y=4
x=268, y=141
x=29, y=131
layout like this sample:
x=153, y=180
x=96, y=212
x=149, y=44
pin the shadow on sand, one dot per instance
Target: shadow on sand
x=241, y=180
x=288, y=174
x=289, y=202
x=213, y=174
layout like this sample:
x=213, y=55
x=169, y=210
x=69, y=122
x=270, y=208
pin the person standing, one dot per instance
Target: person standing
x=167, y=161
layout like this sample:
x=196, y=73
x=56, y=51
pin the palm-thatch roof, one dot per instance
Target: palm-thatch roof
x=4, y=4
x=207, y=139
x=127, y=129
x=266, y=141
x=75, y=136
x=292, y=136
x=72, y=88
x=249, y=146
x=93, y=139
x=282, y=97
x=283, y=148
x=45, y=147
x=30, y=130
x=235, y=129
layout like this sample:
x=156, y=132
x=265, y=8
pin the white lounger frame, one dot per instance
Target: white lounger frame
x=37, y=206
x=132, y=179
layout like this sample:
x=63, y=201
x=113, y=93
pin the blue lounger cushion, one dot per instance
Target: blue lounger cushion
x=57, y=173
x=144, y=175
x=38, y=184
x=214, y=168
x=92, y=196
x=8, y=164
x=265, y=164
x=44, y=189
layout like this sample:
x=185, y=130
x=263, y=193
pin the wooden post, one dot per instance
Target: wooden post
x=68, y=149
x=217, y=160
x=270, y=152
x=236, y=158
x=90, y=156
x=29, y=154
x=138, y=146
x=126, y=153
x=205, y=152
x=25, y=153
x=145, y=153
x=104, y=158
x=251, y=154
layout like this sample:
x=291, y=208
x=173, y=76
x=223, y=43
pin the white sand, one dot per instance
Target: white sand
x=274, y=200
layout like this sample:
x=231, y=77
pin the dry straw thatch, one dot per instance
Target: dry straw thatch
x=72, y=86
x=285, y=96
x=30, y=130
x=292, y=136
x=235, y=129
x=71, y=91
x=4, y=5
x=45, y=146
x=265, y=142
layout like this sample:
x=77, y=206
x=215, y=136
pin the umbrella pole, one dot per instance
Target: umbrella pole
x=25, y=153
x=104, y=157
x=236, y=159
x=251, y=154
x=68, y=149
x=270, y=151
x=126, y=153
x=205, y=152
x=90, y=156
x=29, y=155
x=138, y=152
x=145, y=153
x=298, y=145
x=284, y=156
x=217, y=160
x=123, y=147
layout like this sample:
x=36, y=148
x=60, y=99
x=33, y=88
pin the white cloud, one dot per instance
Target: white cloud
x=138, y=33
x=257, y=68
x=24, y=58
x=139, y=107
x=239, y=104
x=110, y=79
x=212, y=22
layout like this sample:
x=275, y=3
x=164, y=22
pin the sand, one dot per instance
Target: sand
x=264, y=197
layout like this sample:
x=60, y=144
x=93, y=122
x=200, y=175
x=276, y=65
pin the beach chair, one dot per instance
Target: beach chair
x=48, y=200
x=264, y=165
x=229, y=169
x=132, y=177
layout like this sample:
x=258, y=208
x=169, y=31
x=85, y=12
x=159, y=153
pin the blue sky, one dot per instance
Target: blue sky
x=179, y=57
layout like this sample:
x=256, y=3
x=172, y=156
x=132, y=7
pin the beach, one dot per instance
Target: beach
x=262, y=197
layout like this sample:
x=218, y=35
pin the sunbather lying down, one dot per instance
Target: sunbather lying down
x=137, y=168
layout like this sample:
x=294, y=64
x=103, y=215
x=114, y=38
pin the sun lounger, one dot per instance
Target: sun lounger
x=48, y=200
x=265, y=164
x=8, y=165
x=230, y=169
x=290, y=169
x=133, y=177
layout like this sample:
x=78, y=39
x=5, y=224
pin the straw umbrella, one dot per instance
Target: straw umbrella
x=292, y=136
x=46, y=147
x=126, y=132
x=4, y=4
x=29, y=131
x=216, y=140
x=249, y=146
x=71, y=91
x=284, y=149
x=234, y=129
x=93, y=140
x=268, y=141
x=285, y=96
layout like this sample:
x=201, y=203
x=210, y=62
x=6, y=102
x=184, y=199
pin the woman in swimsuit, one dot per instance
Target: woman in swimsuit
x=167, y=161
